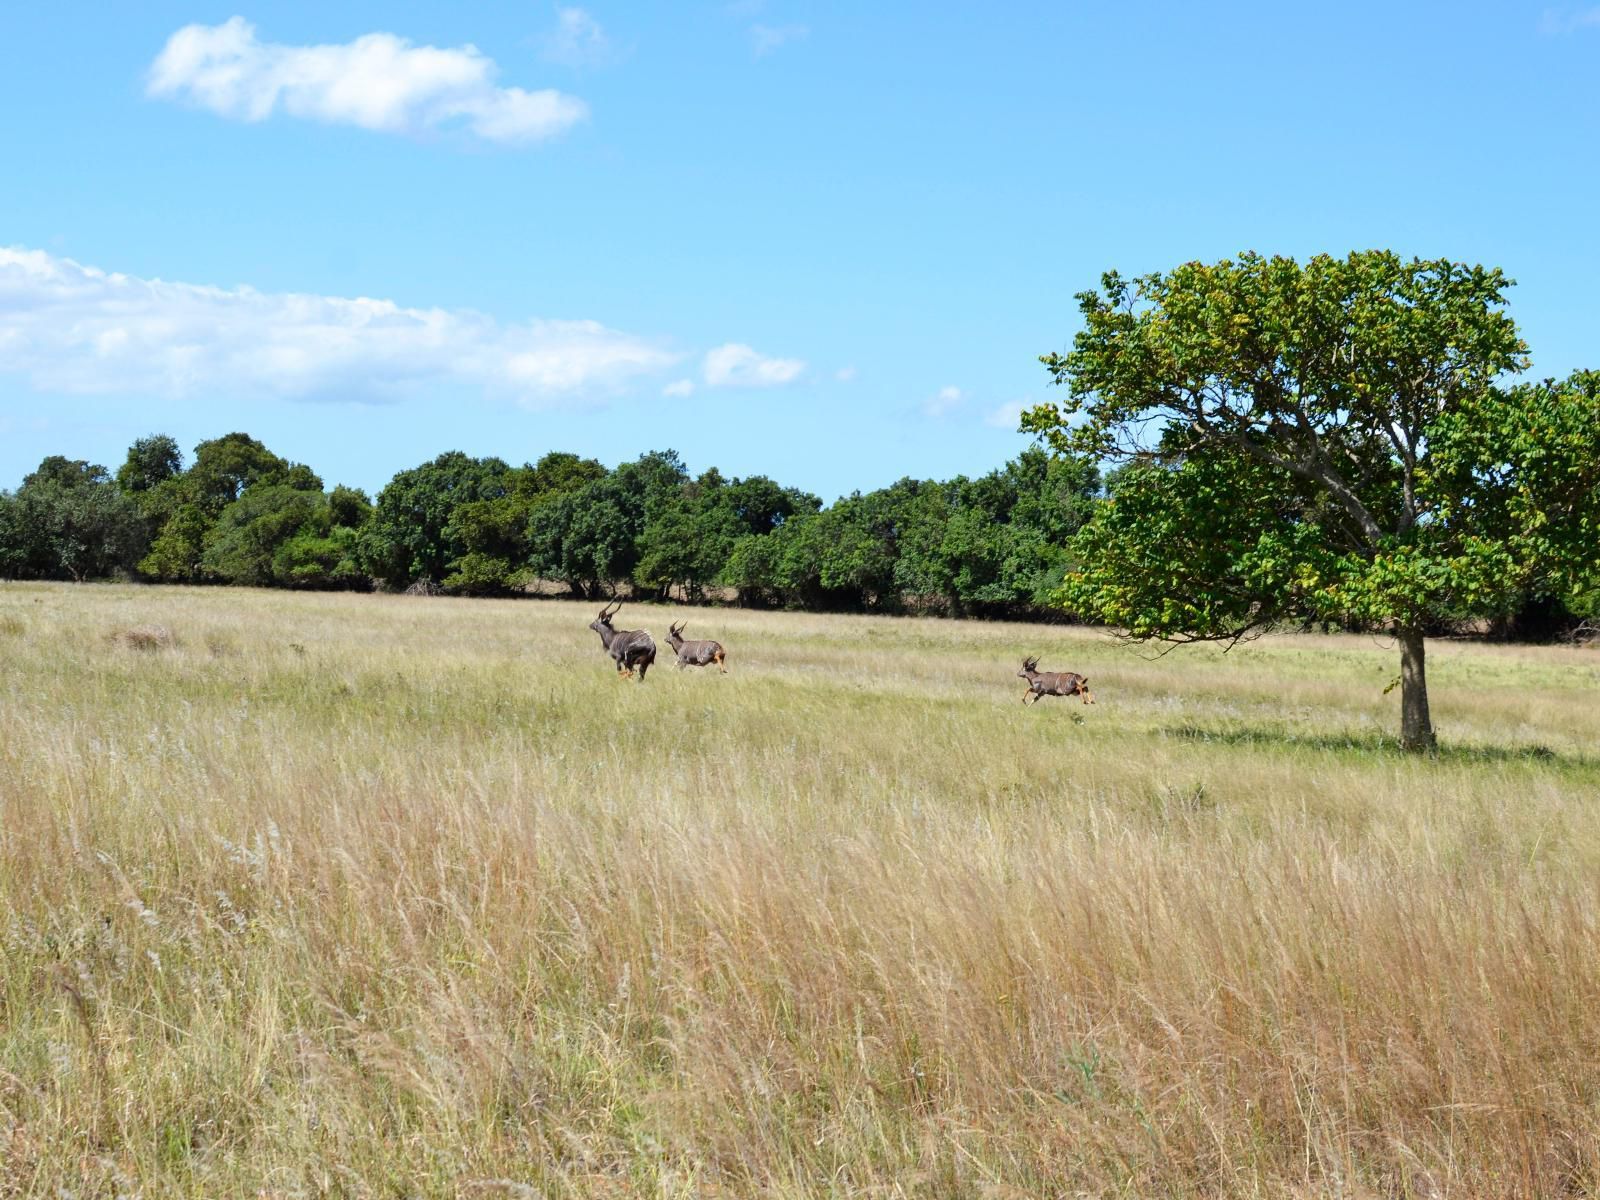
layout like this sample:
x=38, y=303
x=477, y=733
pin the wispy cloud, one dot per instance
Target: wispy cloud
x=845, y=374
x=944, y=402
x=679, y=387
x=737, y=365
x=378, y=81
x=767, y=38
x=1568, y=19
x=1008, y=415
x=70, y=328
x=578, y=40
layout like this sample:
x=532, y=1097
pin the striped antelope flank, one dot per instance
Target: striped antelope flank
x=696, y=654
x=1052, y=683
x=629, y=648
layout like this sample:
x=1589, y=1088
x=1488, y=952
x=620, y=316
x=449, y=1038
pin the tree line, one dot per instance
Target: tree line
x=237, y=513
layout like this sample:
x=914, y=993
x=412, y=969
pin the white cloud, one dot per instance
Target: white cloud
x=767, y=38
x=578, y=40
x=845, y=374
x=736, y=365
x=1008, y=415
x=65, y=327
x=1568, y=19
x=680, y=387
x=943, y=403
x=378, y=81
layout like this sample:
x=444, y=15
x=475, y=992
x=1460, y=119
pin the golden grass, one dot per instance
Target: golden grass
x=348, y=895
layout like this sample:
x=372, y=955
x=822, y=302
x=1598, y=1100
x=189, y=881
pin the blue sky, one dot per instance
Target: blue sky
x=823, y=242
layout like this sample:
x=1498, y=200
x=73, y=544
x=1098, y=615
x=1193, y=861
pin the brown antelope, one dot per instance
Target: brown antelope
x=1052, y=683
x=696, y=654
x=629, y=648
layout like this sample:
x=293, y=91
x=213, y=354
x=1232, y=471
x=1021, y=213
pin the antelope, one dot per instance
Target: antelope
x=628, y=648
x=1052, y=683
x=696, y=654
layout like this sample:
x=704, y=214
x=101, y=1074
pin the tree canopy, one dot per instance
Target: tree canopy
x=1326, y=440
x=68, y=519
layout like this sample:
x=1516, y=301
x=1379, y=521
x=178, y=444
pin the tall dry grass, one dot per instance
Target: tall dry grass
x=366, y=896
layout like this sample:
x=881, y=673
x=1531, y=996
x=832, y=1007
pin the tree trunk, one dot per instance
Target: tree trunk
x=1416, y=726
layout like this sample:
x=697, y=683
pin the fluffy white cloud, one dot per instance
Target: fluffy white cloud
x=70, y=328
x=737, y=365
x=845, y=374
x=944, y=402
x=578, y=40
x=379, y=81
x=680, y=387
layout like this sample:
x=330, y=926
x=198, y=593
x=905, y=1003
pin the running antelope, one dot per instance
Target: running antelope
x=628, y=648
x=696, y=654
x=1052, y=683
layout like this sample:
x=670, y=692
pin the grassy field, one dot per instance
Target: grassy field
x=377, y=896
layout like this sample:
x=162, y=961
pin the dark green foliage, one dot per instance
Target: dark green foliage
x=348, y=507
x=151, y=461
x=244, y=544
x=16, y=539
x=56, y=471
x=992, y=546
x=325, y=552
x=494, y=531
x=690, y=533
x=68, y=521
x=559, y=472
x=241, y=514
x=1214, y=546
x=589, y=539
x=183, y=508
x=752, y=569
x=412, y=534
x=174, y=554
x=226, y=466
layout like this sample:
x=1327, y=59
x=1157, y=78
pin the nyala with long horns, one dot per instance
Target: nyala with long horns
x=628, y=648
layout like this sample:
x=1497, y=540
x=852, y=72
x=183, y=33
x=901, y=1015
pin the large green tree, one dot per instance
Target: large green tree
x=183, y=508
x=290, y=536
x=494, y=531
x=589, y=538
x=413, y=534
x=1319, y=439
x=151, y=461
x=68, y=520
